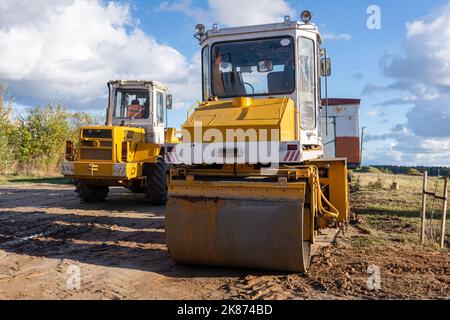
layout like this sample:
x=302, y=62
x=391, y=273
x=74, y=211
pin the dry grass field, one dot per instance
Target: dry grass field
x=376, y=203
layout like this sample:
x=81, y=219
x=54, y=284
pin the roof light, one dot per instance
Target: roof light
x=200, y=29
x=287, y=19
x=215, y=27
x=306, y=16
x=199, y=32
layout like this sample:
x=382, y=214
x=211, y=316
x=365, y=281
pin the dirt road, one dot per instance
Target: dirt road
x=119, y=248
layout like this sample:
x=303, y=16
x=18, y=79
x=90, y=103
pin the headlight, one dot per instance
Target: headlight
x=306, y=16
x=67, y=168
x=200, y=29
x=120, y=170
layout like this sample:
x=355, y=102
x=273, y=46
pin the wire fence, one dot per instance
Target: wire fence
x=428, y=219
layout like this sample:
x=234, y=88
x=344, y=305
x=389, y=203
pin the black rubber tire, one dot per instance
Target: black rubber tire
x=91, y=193
x=136, y=187
x=156, y=188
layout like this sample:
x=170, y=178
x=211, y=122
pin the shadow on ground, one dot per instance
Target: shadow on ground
x=49, y=180
x=89, y=233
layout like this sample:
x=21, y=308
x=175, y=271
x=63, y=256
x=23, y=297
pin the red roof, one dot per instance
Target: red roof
x=340, y=101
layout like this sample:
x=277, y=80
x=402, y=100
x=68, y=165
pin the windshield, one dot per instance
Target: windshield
x=131, y=103
x=257, y=67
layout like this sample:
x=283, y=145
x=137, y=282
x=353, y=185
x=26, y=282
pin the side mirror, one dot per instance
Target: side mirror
x=169, y=101
x=325, y=67
x=69, y=150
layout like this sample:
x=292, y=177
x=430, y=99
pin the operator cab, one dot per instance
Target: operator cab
x=139, y=104
x=272, y=60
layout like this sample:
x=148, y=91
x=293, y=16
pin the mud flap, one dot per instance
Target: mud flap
x=237, y=233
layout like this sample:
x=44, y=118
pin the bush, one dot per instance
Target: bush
x=34, y=144
x=386, y=171
x=6, y=133
x=378, y=184
x=41, y=137
x=413, y=172
x=355, y=184
x=370, y=170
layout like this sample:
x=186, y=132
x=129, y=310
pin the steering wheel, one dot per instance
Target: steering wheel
x=253, y=89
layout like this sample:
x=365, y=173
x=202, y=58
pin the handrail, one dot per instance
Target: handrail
x=190, y=109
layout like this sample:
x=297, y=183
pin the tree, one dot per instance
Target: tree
x=413, y=172
x=6, y=129
x=42, y=135
x=35, y=142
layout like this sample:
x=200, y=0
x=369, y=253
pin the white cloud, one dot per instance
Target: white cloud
x=423, y=73
x=238, y=12
x=422, y=79
x=185, y=6
x=342, y=36
x=427, y=50
x=410, y=150
x=233, y=12
x=67, y=51
x=375, y=112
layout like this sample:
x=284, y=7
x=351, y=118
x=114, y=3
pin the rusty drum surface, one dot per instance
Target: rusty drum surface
x=237, y=233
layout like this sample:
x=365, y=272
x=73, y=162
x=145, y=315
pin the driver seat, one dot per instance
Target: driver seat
x=233, y=84
x=134, y=108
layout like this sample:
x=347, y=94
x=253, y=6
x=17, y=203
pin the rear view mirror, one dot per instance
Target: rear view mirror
x=226, y=67
x=265, y=66
x=325, y=67
x=169, y=101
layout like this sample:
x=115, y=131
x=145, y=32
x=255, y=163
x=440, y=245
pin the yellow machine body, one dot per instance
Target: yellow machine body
x=257, y=214
x=261, y=115
x=236, y=215
x=101, y=154
x=237, y=218
x=129, y=150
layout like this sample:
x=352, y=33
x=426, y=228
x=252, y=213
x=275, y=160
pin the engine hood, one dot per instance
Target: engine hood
x=272, y=119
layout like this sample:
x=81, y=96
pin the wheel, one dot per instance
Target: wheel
x=243, y=233
x=156, y=188
x=136, y=187
x=91, y=193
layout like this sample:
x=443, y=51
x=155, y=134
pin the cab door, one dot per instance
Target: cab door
x=159, y=116
x=307, y=86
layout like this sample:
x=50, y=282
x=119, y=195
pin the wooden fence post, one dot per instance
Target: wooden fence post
x=444, y=212
x=424, y=206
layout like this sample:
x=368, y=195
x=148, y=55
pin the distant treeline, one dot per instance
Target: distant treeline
x=432, y=171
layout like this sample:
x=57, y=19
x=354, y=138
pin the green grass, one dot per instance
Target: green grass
x=393, y=216
x=29, y=180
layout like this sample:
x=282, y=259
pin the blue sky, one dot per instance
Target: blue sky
x=140, y=38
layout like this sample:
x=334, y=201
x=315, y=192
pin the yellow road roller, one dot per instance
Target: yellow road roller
x=249, y=186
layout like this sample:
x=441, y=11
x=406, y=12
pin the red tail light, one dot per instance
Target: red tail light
x=69, y=151
x=125, y=151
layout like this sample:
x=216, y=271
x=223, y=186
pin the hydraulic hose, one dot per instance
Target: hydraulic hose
x=334, y=213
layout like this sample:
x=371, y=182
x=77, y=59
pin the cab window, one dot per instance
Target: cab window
x=307, y=83
x=160, y=106
x=253, y=67
x=205, y=72
x=133, y=104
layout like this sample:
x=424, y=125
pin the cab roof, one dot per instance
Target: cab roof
x=289, y=25
x=138, y=83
